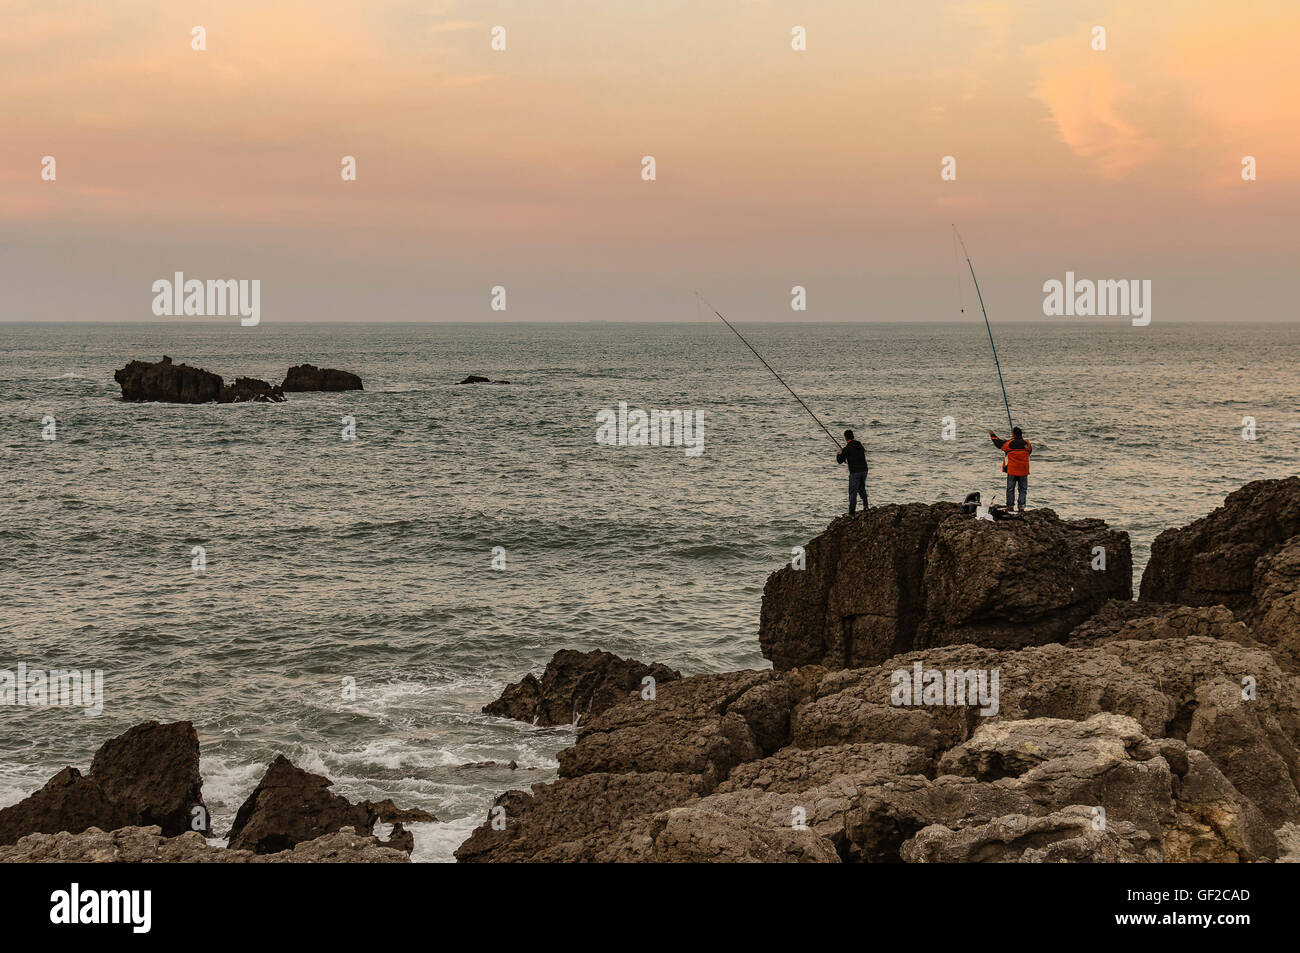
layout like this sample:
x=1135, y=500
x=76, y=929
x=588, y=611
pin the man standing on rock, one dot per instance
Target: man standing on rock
x=1016, y=464
x=856, y=457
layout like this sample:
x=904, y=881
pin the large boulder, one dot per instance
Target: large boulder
x=154, y=770
x=290, y=805
x=903, y=577
x=148, y=775
x=309, y=377
x=1213, y=560
x=575, y=686
x=165, y=381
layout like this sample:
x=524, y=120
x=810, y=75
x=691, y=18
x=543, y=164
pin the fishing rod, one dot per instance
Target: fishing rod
x=989, y=327
x=770, y=368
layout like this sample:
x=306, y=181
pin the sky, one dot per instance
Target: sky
x=523, y=168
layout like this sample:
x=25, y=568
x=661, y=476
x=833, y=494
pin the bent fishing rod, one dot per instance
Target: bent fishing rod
x=770, y=368
x=988, y=327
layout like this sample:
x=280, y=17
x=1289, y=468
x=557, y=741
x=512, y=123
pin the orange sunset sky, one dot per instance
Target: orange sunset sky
x=522, y=167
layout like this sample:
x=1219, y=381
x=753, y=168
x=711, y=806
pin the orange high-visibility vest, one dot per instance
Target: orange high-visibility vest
x=1016, y=462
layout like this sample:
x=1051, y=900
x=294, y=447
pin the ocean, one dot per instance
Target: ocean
x=368, y=563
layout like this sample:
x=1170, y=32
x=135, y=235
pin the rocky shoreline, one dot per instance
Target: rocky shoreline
x=943, y=689
x=1096, y=729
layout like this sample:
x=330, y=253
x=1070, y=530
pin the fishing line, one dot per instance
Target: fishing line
x=770, y=368
x=989, y=327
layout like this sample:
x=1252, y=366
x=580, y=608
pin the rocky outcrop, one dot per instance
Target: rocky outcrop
x=1173, y=749
x=165, y=381
x=1276, y=609
x=149, y=775
x=148, y=845
x=476, y=379
x=154, y=770
x=290, y=805
x=903, y=577
x=250, y=390
x=308, y=377
x=575, y=686
x=1213, y=560
x=1119, y=621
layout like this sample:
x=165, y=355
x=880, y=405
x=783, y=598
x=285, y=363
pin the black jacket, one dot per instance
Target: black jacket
x=854, y=455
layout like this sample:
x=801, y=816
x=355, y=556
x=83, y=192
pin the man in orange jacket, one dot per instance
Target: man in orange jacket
x=1016, y=464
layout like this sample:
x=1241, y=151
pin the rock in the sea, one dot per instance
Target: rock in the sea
x=147, y=845
x=1213, y=560
x=250, y=390
x=165, y=381
x=400, y=839
x=149, y=775
x=308, y=377
x=390, y=813
x=908, y=576
x=574, y=687
x=476, y=379
x=290, y=805
x=154, y=769
x=69, y=801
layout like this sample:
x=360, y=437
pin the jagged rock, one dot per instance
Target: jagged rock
x=575, y=686
x=147, y=775
x=308, y=377
x=1288, y=839
x=290, y=805
x=250, y=390
x=1065, y=836
x=1154, y=732
x=68, y=801
x=148, y=845
x=476, y=379
x=1118, y=621
x=165, y=381
x=908, y=576
x=154, y=770
x=390, y=813
x=555, y=814
x=400, y=839
x=1276, y=593
x=1212, y=561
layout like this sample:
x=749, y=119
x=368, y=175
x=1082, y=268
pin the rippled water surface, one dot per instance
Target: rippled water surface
x=371, y=559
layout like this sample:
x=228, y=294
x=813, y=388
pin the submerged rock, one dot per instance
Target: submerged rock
x=165, y=381
x=476, y=379
x=290, y=805
x=575, y=686
x=903, y=577
x=390, y=813
x=308, y=377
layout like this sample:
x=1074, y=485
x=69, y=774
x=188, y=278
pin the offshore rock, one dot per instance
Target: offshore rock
x=165, y=381
x=290, y=805
x=309, y=377
x=575, y=686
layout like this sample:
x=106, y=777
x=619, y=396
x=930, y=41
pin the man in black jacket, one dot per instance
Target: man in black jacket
x=856, y=458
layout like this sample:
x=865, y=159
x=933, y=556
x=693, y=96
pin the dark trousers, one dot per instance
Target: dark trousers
x=1012, y=482
x=857, y=487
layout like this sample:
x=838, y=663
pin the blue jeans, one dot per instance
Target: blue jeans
x=857, y=487
x=1012, y=483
